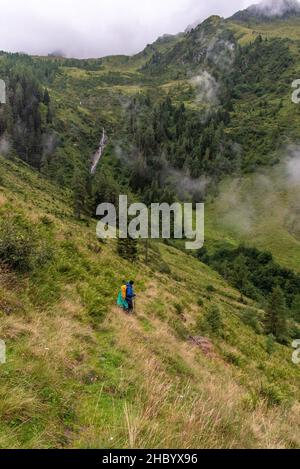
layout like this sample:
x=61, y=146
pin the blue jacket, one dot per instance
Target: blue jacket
x=130, y=292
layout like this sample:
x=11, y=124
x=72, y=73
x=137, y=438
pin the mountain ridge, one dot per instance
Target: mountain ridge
x=268, y=10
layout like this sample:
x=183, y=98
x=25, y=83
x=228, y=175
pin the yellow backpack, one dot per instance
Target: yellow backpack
x=124, y=290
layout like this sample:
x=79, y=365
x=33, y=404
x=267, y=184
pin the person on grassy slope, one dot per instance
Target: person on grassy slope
x=121, y=302
x=130, y=295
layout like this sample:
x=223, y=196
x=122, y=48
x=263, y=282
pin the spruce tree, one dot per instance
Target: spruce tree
x=240, y=273
x=46, y=98
x=128, y=248
x=296, y=308
x=79, y=193
x=133, y=249
x=276, y=320
x=49, y=117
x=122, y=247
x=270, y=344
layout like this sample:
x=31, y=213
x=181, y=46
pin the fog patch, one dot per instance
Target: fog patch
x=246, y=203
x=4, y=146
x=185, y=186
x=221, y=53
x=207, y=88
x=293, y=166
x=50, y=143
x=273, y=8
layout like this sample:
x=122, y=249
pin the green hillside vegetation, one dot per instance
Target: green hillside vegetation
x=246, y=32
x=261, y=209
x=207, y=359
x=249, y=86
x=80, y=373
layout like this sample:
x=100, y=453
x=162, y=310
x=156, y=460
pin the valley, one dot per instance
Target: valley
x=205, y=116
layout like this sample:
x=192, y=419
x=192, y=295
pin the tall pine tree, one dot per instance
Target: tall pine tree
x=276, y=319
x=80, y=196
x=128, y=248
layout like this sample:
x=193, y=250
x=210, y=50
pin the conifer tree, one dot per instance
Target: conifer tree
x=79, y=194
x=128, y=248
x=240, y=274
x=46, y=98
x=296, y=308
x=276, y=320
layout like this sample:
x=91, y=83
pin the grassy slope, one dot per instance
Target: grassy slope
x=249, y=112
x=81, y=374
x=261, y=209
x=247, y=32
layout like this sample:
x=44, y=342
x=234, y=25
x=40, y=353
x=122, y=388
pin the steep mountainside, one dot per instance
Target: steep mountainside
x=231, y=78
x=206, y=361
x=80, y=373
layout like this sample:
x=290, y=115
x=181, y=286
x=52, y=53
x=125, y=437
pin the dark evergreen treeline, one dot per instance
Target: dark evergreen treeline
x=26, y=118
x=165, y=135
x=260, y=65
x=253, y=272
x=258, y=83
x=256, y=275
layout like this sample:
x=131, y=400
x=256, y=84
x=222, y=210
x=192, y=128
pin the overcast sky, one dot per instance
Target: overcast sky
x=94, y=28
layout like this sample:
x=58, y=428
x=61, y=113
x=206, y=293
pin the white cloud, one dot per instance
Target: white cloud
x=93, y=28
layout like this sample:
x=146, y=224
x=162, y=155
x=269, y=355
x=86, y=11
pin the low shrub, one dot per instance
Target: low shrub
x=22, y=246
x=200, y=302
x=249, y=317
x=213, y=320
x=179, y=308
x=164, y=268
x=234, y=359
x=273, y=394
x=46, y=221
x=180, y=330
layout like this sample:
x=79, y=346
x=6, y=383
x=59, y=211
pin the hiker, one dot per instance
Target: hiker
x=121, y=302
x=130, y=295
